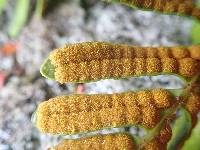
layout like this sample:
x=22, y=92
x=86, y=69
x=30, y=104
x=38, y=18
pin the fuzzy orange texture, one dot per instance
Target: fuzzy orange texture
x=89, y=51
x=183, y=7
x=119, y=68
x=83, y=113
x=99, y=60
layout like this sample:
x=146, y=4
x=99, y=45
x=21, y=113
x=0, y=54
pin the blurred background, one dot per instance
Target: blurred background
x=30, y=29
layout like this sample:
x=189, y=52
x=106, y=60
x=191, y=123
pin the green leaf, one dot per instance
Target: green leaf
x=180, y=130
x=47, y=69
x=193, y=143
x=176, y=92
x=195, y=32
x=2, y=5
x=21, y=15
x=39, y=8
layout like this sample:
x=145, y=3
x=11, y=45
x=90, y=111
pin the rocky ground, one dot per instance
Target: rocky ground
x=70, y=22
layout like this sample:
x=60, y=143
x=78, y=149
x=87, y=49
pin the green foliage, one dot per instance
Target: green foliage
x=180, y=129
x=47, y=70
x=193, y=143
x=39, y=8
x=195, y=32
x=20, y=18
x=2, y=5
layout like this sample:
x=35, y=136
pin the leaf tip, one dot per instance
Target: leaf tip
x=48, y=69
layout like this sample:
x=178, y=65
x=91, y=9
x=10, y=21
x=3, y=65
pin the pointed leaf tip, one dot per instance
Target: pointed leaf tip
x=47, y=69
